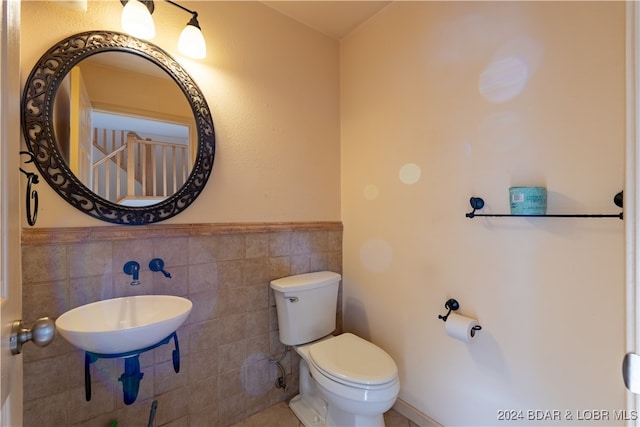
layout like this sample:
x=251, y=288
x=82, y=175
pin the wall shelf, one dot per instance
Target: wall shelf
x=478, y=203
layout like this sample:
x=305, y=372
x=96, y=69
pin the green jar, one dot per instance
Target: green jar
x=528, y=200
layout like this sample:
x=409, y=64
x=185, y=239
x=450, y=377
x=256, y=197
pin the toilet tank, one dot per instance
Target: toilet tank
x=306, y=306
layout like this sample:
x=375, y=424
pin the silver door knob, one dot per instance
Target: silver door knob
x=41, y=333
x=631, y=372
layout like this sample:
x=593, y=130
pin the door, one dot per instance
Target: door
x=10, y=274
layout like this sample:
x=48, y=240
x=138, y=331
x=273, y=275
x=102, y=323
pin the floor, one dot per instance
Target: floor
x=281, y=416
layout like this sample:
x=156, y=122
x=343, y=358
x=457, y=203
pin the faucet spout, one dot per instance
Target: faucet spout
x=133, y=268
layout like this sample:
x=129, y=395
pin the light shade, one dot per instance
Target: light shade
x=191, y=41
x=137, y=21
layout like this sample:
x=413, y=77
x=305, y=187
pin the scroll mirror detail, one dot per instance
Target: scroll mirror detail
x=46, y=130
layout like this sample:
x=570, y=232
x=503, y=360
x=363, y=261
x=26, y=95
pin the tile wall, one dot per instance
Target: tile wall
x=225, y=344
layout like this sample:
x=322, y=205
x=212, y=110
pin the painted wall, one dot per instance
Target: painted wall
x=120, y=90
x=441, y=101
x=438, y=101
x=273, y=89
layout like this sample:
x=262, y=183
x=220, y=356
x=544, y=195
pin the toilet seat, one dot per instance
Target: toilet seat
x=354, y=362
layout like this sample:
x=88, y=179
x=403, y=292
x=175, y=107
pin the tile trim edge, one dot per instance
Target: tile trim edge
x=44, y=236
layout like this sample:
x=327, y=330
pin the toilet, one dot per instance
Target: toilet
x=344, y=379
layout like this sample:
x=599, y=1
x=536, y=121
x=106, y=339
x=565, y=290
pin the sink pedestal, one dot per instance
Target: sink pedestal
x=131, y=376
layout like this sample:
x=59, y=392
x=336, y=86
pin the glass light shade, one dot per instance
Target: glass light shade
x=137, y=21
x=191, y=42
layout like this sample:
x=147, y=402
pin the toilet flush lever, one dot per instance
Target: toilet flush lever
x=293, y=299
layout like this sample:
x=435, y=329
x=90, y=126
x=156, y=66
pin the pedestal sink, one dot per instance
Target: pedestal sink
x=122, y=325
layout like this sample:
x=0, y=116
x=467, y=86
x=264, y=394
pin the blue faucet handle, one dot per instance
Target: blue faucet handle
x=157, y=264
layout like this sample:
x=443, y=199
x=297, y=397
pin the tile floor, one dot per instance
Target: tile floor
x=281, y=416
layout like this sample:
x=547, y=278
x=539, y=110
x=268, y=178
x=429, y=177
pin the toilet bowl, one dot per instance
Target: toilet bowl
x=358, y=380
x=344, y=379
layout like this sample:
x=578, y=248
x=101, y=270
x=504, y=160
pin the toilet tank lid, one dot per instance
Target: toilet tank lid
x=305, y=281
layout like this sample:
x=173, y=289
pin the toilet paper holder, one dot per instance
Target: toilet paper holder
x=453, y=305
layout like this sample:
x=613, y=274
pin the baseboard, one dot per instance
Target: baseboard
x=414, y=415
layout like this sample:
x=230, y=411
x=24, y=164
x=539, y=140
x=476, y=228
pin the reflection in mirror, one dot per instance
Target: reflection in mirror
x=130, y=82
x=124, y=128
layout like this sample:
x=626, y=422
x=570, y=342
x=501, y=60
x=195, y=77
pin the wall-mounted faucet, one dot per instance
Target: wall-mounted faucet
x=133, y=269
x=157, y=264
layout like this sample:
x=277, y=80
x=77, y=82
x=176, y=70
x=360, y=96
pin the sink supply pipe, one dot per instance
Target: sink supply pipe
x=281, y=381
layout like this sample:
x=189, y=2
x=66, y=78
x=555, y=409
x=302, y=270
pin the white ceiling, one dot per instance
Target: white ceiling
x=333, y=18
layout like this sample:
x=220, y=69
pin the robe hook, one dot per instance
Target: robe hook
x=32, y=178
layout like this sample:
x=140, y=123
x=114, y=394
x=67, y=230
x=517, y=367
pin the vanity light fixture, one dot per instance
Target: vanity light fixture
x=136, y=20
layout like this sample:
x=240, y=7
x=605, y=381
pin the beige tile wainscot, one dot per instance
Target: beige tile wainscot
x=225, y=344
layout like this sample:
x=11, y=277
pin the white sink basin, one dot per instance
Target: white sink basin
x=121, y=325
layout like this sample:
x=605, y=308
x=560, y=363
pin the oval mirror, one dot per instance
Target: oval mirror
x=118, y=128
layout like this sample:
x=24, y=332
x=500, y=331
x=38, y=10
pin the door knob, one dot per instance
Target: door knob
x=631, y=372
x=41, y=333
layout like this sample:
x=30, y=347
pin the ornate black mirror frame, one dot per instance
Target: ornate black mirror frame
x=37, y=125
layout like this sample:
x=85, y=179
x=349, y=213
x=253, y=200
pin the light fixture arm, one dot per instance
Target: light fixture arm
x=149, y=4
x=193, y=12
x=194, y=15
x=138, y=23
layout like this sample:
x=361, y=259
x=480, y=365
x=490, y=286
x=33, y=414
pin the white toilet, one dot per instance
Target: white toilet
x=345, y=381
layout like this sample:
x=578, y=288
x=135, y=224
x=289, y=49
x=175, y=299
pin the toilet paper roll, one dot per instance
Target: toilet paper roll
x=461, y=327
